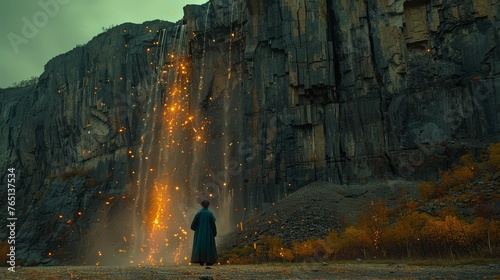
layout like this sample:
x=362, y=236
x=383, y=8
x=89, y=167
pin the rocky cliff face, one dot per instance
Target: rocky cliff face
x=241, y=102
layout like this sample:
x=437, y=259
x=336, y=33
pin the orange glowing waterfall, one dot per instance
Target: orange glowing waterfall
x=176, y=167
x=166, y=223
x=179, y=144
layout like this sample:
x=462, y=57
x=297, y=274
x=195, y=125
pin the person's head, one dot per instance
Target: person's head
x=205, y=203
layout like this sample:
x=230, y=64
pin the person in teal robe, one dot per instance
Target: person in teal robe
x=205, y=231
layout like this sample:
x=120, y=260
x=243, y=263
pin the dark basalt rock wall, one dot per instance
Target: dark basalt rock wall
x=288, y=92
x=69, y=138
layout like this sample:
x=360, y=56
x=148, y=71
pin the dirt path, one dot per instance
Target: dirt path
x=263, y=271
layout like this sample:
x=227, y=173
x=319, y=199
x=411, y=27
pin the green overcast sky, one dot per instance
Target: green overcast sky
x=66, y=24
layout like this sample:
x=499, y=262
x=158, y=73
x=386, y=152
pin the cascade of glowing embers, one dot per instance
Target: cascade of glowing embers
x=162, y=214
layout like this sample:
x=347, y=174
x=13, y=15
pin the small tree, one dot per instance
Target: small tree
x=494, y=158
x=26, y=83
x=375, y=220
x=355, y=240
x=404, y=232
x=425, y=191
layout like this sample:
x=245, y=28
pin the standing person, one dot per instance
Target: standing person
x=205, y=231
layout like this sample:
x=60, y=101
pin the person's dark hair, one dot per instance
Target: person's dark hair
x=205, y=203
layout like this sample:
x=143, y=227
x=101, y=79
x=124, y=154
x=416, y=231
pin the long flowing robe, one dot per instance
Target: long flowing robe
x=205, y=231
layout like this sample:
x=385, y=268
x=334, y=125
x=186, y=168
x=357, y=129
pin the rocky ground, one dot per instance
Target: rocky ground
x=263, y=271
x=314, y=210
